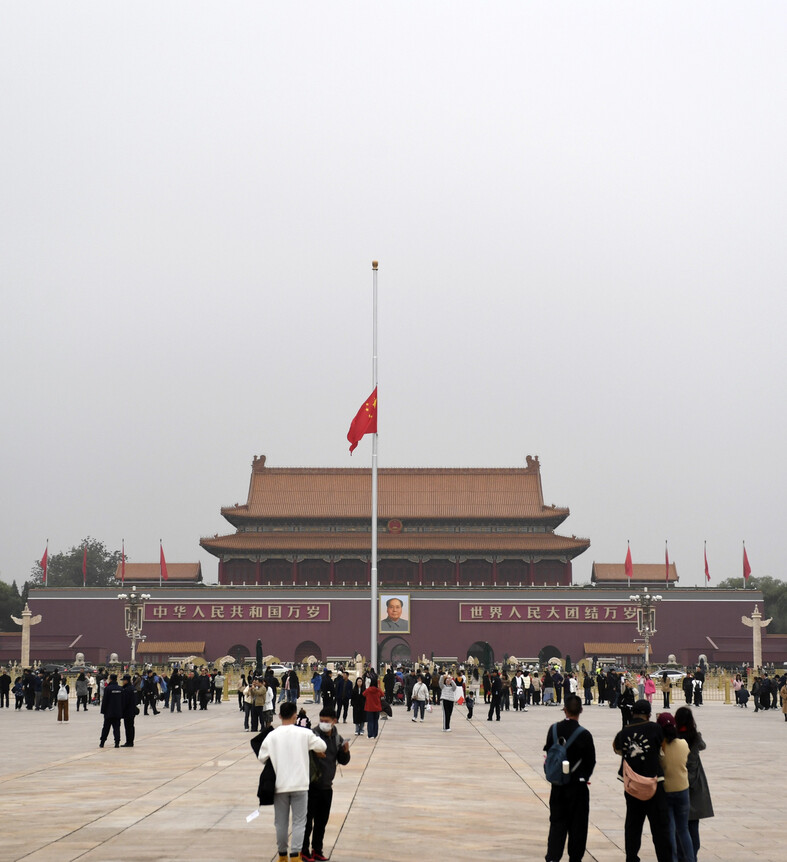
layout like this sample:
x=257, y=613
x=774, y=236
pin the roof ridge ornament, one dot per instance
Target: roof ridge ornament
x=533, y=463
x=258, y=464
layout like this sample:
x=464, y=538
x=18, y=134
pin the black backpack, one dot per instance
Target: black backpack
x=557, y=753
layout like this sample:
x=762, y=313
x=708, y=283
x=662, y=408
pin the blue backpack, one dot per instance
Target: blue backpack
x=557, y=753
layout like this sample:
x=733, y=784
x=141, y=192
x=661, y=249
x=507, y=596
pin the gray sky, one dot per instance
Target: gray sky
x=579, y=215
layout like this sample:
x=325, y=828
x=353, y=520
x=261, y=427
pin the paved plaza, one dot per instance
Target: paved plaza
x=185, y=791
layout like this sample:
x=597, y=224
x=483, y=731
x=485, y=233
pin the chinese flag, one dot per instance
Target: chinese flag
x=629, y=565
x=365, y=421
x=746, y=566
x=707, y=570
x=163, y=563
x=84, y=567
x=44, y=561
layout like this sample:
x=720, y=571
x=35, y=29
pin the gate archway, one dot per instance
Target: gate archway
x=306, y=649
x=483, y=652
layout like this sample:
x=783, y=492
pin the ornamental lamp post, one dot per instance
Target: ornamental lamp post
x=135, y=605
x=646, y=618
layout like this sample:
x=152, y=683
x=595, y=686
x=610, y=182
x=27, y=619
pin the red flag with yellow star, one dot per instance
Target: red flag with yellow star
x=365, y=421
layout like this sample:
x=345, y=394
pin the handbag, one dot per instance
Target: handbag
x=639, y=786
x=267, y=786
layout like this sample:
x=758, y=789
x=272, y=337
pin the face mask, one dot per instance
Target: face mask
x=325, y=726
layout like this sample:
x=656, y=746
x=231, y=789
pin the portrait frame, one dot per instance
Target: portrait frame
x=384, y=627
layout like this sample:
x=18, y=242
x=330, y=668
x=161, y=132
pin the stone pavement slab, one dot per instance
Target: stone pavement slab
x=184, y=791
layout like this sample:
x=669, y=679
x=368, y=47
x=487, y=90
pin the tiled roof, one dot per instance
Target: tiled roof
x=172, y=647
x=144, y=572
x=428, y=493
x=261, y=543
x=610, y=649
x=604, y=573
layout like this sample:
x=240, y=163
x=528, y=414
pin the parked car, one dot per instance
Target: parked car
x=673, y=674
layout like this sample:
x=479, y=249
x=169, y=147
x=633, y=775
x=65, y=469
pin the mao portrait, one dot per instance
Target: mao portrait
x=395, y=613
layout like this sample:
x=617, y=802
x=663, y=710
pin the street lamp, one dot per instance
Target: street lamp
x=646, y=618
x=135, y=604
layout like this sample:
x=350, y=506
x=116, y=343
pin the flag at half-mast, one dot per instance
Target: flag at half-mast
x=666, y=563
x=629, y=565
x=162, y=564
x=365, y=421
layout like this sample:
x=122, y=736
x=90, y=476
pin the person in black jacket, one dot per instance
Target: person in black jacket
x=130, y=710
x=344, y=690
x=112, y=710
x=569, y=804
x=321, y=789
x=203, y=688
x=328, y=689
x=639, y=743
x=495, y=695
x=150, y=692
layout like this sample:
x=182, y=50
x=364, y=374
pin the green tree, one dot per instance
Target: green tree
x=10, y=603
x=774, y=594
x=65, y=569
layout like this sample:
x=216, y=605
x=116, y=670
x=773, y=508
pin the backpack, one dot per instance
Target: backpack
x=62, y=693
x=557, y=753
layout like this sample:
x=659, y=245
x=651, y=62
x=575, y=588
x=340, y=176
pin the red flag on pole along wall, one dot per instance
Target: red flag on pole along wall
x=629, y=564
x=666, y=563
x=44, y=561
x=365, y=421
x=84, y=566
x=123, y=562
x=163, y=563
x=707, y=570
x=746, y=566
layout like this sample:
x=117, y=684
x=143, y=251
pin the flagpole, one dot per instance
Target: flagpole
x=666, y=564
x=160, y=555
x=374, y=602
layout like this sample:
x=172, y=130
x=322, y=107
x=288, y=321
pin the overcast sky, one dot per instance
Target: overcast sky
x=579, y=213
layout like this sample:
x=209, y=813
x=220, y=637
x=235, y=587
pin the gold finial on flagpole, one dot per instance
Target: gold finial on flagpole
x=374, y=264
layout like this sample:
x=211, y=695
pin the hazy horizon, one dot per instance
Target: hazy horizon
x=578, y=213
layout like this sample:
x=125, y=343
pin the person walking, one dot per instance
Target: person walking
x=150, y=692
x=569, y=804
x=419, y=696
x=447, y=698
x=288, y=747
x=112, y=710
x=783, y=696
x=639, y=744
x=204, y=683
x=700, y=805
x=373, y=707
x=81, y=690
x=258, y=694
x=650, y=688
x=321, y=788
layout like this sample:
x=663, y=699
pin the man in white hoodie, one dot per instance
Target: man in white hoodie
x=288, y=749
